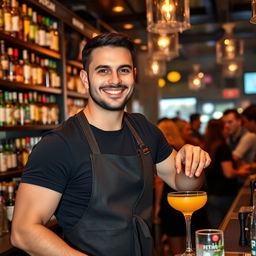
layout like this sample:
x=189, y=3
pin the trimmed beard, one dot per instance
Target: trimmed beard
x=104, y=105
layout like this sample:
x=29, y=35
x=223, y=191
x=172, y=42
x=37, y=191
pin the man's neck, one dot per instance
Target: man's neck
x=104, y=119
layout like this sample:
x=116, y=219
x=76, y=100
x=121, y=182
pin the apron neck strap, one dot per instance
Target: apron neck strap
x=139, y=141
x=88, y=132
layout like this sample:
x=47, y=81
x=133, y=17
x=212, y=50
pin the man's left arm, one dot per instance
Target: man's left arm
x=183, y=170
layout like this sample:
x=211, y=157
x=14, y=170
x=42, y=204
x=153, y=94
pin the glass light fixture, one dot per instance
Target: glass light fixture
x=232, y=68
x=163, y=46
x=253, y=18
x=168, y=16
x=196, y=78
x=156, y=67
x=229, y=47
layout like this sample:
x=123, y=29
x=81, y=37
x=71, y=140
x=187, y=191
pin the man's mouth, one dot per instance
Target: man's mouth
x=113, y=90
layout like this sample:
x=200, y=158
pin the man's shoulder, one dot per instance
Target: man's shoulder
x=249, y=136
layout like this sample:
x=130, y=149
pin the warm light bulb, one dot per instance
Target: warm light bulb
x=226, y=41
x=168, y=10
x=200, y=75
x=232, y=67
x=230, y=48
x=118, y=8
x=197, y=82
x=155, y=67
x=161, y=82
x=163, y=42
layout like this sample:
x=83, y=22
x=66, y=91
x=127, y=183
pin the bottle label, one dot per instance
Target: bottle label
x=9, y=210
x=15, y=23
x=7, y=21
x=2, y=115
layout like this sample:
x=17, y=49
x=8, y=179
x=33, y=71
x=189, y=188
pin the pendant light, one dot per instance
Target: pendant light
x=196, y=78
x=167, y=16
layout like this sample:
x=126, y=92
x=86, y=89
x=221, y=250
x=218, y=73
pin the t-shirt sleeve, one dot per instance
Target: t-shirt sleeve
x=245, y=144
x=49, y=164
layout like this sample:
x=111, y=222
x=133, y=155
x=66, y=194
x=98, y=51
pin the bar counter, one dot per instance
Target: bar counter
x=231, y=226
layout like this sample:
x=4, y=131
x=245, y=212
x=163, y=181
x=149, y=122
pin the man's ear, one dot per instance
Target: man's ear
x=84, y=78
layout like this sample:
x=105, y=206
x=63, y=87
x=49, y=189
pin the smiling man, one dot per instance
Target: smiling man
x=95, y=172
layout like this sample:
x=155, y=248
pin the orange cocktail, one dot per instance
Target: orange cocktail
x=187, y=203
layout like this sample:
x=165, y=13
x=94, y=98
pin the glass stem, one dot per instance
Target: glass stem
x=188, y=234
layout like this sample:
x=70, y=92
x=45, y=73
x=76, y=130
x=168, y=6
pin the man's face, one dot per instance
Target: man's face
x=232, y=125
x=111, y=77
x=250, y=125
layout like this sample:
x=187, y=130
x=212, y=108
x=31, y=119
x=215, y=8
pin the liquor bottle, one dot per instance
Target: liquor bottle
x=8, y=109
x=2, y=110
x=11, y=66
x=33, y=27
x=18, y=66
x=26, y=23
x=44, y=110
x=21, y=121
x=25, y=142
x=20, y=35
x=27, y=109
x=15, y=108
x=54, y=110
x=18, y=153
x=8, y=155
x=253, y=226
x=10, y=205
x=1, y=16
x=4, y=220
x=37, y=108
x=46, y=22
x=7, y=16
x=46, y=74
x=41, y=31
x=39, y=71
x=26, y=68
x=4, y=61
x=54, y=36
x=13, y=154
x=15, y=17
x=3, y=160
x=70, y=79
x=33, y=69
x=32, y=106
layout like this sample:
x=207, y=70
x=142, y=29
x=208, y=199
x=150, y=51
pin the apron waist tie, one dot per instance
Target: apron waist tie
x=141, y=232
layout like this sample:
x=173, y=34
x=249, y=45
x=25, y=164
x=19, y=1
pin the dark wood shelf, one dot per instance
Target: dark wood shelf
x=77, y=95
x=31, y=87
x=29, y=45
x=28, y=127
x=75, y=63
x=10, y=174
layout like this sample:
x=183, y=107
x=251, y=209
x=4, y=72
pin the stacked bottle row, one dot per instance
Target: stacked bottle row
x=14, y=152
x=75, y=105
x=24, y=23
x=29, y=69
x=7, y=202
x=18, y=108
x=74, y=82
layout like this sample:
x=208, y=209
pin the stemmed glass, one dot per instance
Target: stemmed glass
x=187, y=202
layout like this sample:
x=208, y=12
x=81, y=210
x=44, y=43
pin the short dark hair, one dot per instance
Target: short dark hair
x=250, y=112
x=232, y=111
x=194, y=117
x=106, y=39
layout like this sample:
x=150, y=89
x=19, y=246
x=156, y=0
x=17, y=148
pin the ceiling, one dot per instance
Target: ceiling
x=206, y=17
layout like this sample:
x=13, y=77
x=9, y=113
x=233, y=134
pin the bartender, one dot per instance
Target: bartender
x=95, y=171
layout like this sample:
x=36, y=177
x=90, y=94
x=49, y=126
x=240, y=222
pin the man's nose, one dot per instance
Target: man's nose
x=115, y=78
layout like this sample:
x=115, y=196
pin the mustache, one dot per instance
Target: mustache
x=114, y=86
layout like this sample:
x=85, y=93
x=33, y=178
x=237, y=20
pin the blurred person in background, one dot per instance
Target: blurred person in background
x=249, y=115
x=240, y=140
x=186, y=132
x=221, y=175
x=195, y=126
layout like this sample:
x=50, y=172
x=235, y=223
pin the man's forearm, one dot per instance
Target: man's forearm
x=37, y=240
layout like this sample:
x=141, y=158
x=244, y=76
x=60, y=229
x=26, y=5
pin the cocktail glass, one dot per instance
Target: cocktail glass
x=187, y=202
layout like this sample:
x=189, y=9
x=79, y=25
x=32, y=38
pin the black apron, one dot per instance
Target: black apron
x=118, y=219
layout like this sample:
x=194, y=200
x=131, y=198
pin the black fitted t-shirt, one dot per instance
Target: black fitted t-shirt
x=61, y=161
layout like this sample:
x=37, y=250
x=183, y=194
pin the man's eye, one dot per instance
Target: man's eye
x=125, y=70
x=103, y=71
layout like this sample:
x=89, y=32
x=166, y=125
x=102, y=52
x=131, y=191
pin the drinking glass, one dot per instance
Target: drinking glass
x=187, y=202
